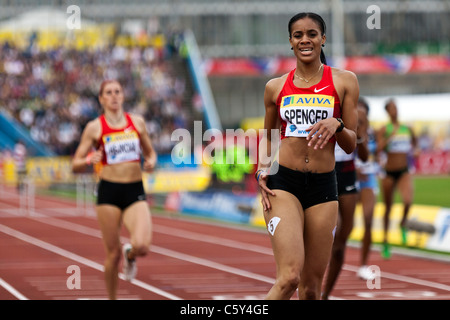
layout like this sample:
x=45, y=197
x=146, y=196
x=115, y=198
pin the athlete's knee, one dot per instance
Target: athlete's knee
x=407, y=202
x=113, y=255
x=140, y=248
x=289, y=280
x=368, y=224
x=310, y=294
x=338, y=252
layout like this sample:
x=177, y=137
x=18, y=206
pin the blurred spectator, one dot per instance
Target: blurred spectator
x=425, y=141
x=53, y=93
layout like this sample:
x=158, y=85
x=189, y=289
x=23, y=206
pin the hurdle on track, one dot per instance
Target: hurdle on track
x=85, y=191
x=85, y=186
x=27, y=194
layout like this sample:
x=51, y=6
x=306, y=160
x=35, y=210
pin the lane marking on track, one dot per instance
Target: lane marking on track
x=228, y=243
x=79, y=259
x=212, y=239
x=167, y=252
x=408, y=279
x=12, y=290
x=263, y=250
x=163, y=251
x=212, y=264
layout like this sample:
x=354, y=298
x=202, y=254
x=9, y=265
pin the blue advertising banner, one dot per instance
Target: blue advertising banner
x=223, y=205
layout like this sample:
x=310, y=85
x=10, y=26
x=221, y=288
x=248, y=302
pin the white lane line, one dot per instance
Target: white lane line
x=79, y=259
x=12, y=290
x=163, y=251
x=212, y=239
x=212, y=264
x=167, y=252
x=263, y=250
x=408, y=279
x=227, y=243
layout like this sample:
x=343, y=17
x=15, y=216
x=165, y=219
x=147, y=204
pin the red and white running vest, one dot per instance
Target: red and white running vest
x=299, y=108
x=119, y=145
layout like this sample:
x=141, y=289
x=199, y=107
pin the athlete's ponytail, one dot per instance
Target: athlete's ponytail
x=323, y=59
x=317, y=19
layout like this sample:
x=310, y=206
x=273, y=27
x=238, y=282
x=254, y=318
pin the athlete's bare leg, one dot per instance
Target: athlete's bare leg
x=137, y=220
x=406, y=188
x=320, y=221
x=388, y=187
x=368, y=200
x=287, y=243
x=347, y=204
x=109, y=218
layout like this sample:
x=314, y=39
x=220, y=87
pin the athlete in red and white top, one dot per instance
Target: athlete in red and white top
x=315, y=106
x=119, y=139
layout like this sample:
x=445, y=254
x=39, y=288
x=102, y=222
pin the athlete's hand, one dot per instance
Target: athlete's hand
x=262, y=182
x=95, y=157
x=321, y=132
x=149, y=164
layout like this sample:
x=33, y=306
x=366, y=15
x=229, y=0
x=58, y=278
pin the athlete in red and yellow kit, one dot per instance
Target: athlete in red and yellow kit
x=315, y=106
x=119, y=139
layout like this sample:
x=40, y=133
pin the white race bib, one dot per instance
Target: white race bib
x=122, y=147
x=300, y=111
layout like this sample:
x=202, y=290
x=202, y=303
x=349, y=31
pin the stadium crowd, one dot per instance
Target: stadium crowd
x=54, y=93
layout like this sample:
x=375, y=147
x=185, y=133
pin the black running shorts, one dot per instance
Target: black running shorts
x=121, y=195
x=346, y=177
x=309, y=188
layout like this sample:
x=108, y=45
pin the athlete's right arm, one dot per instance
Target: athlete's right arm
x=382, y=141
x=82, y=158
x=265, y=145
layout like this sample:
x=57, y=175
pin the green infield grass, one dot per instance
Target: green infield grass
x=429, y=190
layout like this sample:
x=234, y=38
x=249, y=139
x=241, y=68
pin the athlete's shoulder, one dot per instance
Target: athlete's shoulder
x=136, y=118
x=138, y=122
x=346, y=83
x=93, y=129
x=343, y=74
x=93, y=124
x=275, y=85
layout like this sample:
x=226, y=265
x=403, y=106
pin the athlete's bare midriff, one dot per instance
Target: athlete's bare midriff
x=295, y=154
x=396, y=161
x=122, y=172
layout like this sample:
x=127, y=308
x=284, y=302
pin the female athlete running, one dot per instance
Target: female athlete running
x=315, y=105
x=398, y=142
x=367, y=169
x=119, y=139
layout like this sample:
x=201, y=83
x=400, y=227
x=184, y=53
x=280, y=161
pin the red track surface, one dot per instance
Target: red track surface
x=188, y=260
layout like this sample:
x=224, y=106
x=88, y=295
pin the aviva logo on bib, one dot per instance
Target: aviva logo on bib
x=308, y=100
x=300, y=111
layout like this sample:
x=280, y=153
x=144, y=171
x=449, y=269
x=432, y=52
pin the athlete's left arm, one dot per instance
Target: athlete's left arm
x=415, y=149
x=148, y=151
x=349, y=106
x=347, y=87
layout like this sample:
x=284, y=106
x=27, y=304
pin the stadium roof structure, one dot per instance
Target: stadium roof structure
x=41, y=19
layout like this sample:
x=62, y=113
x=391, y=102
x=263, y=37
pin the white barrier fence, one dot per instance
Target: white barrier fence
x=29, y=199
x=85, y=192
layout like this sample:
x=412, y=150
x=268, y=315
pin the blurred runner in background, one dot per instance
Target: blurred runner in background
x=398, y=142
x=119, y=139
x=367, y=171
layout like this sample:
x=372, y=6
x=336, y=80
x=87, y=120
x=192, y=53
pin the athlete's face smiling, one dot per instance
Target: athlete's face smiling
x=112, y=96
x=306, y=39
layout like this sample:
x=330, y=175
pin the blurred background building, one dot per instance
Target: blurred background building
x=187, y=62
x=242, y=44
